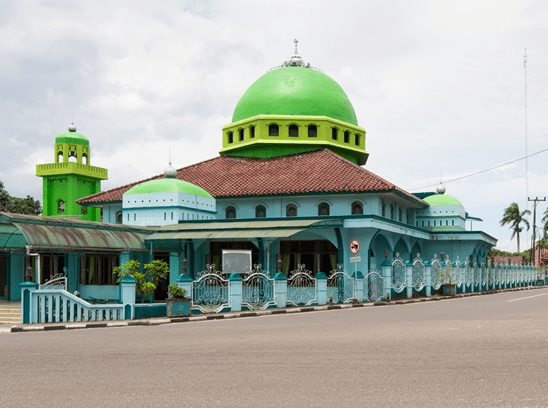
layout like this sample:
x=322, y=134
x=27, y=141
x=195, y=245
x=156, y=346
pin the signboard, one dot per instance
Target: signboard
x=355, y=259
x=236, y=261
x=354, y=246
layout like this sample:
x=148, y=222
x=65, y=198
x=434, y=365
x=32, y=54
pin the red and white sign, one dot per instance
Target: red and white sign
x=354, y=246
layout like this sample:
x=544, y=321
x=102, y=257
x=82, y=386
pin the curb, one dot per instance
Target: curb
x=20, y=328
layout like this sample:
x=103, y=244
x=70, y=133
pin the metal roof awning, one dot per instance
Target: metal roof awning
x=70, y=235
x=239, y=230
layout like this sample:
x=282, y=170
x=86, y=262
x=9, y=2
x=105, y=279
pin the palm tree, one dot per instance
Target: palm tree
x=513, y=216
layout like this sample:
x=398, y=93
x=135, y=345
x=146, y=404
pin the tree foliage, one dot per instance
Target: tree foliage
x=147, y=281
x=513, y=216
x=16, y=205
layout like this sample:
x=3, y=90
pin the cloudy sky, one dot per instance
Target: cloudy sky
x=439, y=86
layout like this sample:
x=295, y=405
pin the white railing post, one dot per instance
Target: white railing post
x=321, y=288
x=127, y=296
x=280, y=289
x=235, y=292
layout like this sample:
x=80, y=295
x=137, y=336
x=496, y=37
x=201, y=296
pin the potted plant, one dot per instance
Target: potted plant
x=177, y=304
x=446, y=275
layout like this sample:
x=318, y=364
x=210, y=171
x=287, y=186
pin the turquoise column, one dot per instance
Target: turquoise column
x=359, y=286
x=321, y=288
x=127, y=296
x=409, y=279
x=174, y=266
x=28, y=306
x=235, y=296
x=428, y=278
x=386, y=270
x=184, y=281
x=124, y=257
x=280, y=289
x=463, y=276
x=73, y=282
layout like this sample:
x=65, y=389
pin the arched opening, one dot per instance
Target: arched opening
x=293, y=131
x=252, y=132
x=230, y=137
x=357, y=139
x=357, y=207
x=379, y=251
x=60, y=207
x=72, y=157
x=392, y=211
x=323, y=209
x=118, y=217
x=84, y=159
x=241, y=133
x=346, y=136
x=383, y=209
x=291, y=210
x=334, y=133
x=230, y=212
x=260, y=211
x=312, y=131
x=402, y=250
x=60, y=157
x=273, y=130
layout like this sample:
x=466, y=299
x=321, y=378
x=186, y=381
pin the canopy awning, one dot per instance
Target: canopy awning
x=73, y=235
x=240, y=229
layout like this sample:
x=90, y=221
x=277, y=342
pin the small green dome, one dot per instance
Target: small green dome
x=295, y=91
x=442, y=199
x=168, y=185
x=71, y=137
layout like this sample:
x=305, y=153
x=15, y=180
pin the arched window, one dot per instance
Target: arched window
x=252, y=132
x=357, y=207
x=230, y=212
x=293, y=130
x=260, y=211
x=60, y=207
x=346, y=136
x=72, y=157
x=241, y=132
x=230, y=137
x=392, y=212
x=357, y=139
x=323, y=209
x=273, y=130
x=383, y=208
x=312, y=131
x=84, y=159
x=334, y=133
x=400, y=215
x=60, y=157
x=119, y=217
x=291, y=210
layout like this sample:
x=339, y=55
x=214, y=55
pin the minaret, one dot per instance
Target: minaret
x=69, y=178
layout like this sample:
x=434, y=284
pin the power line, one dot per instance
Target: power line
x=483, y=171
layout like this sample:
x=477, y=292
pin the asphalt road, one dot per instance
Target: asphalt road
x=481, y=351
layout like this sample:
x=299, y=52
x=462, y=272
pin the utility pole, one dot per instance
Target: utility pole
x=535, y=202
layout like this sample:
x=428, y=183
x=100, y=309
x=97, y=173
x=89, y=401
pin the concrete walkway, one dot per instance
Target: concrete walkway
x=17, y=328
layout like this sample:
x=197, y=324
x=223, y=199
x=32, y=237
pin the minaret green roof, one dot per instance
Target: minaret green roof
x=71, y=137
x=168, y=185
x=295, y=90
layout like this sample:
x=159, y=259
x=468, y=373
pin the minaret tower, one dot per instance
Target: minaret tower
x=70, y=177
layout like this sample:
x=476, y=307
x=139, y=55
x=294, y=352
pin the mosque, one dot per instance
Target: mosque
x=289, y=186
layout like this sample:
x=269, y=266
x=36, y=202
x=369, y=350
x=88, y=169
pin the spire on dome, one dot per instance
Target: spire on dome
x=170, y=172
x=440, y=189
x=72, y=128
x=295, y=60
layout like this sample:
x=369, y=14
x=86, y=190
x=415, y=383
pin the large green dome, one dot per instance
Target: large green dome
x=168, y=185
x=442, y=199
x=295, y=90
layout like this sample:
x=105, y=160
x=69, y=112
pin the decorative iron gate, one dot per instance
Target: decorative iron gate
x=398, y=274
x=340, y=286
x=418, y=274
x=210, y=293
x=301, y=287
x=373, y=287
x=258, y=289
x=436, y=275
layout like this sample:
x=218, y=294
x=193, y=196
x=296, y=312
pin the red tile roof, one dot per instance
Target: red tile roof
x=319, y=171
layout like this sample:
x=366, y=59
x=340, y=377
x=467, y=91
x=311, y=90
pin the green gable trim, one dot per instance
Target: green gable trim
x=295, y=91
x=168, y=186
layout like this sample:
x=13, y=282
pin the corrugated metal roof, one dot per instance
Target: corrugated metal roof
x=63, y=234
x=226, y=234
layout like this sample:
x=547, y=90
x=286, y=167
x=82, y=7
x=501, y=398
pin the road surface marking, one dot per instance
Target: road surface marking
x=528, y=297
